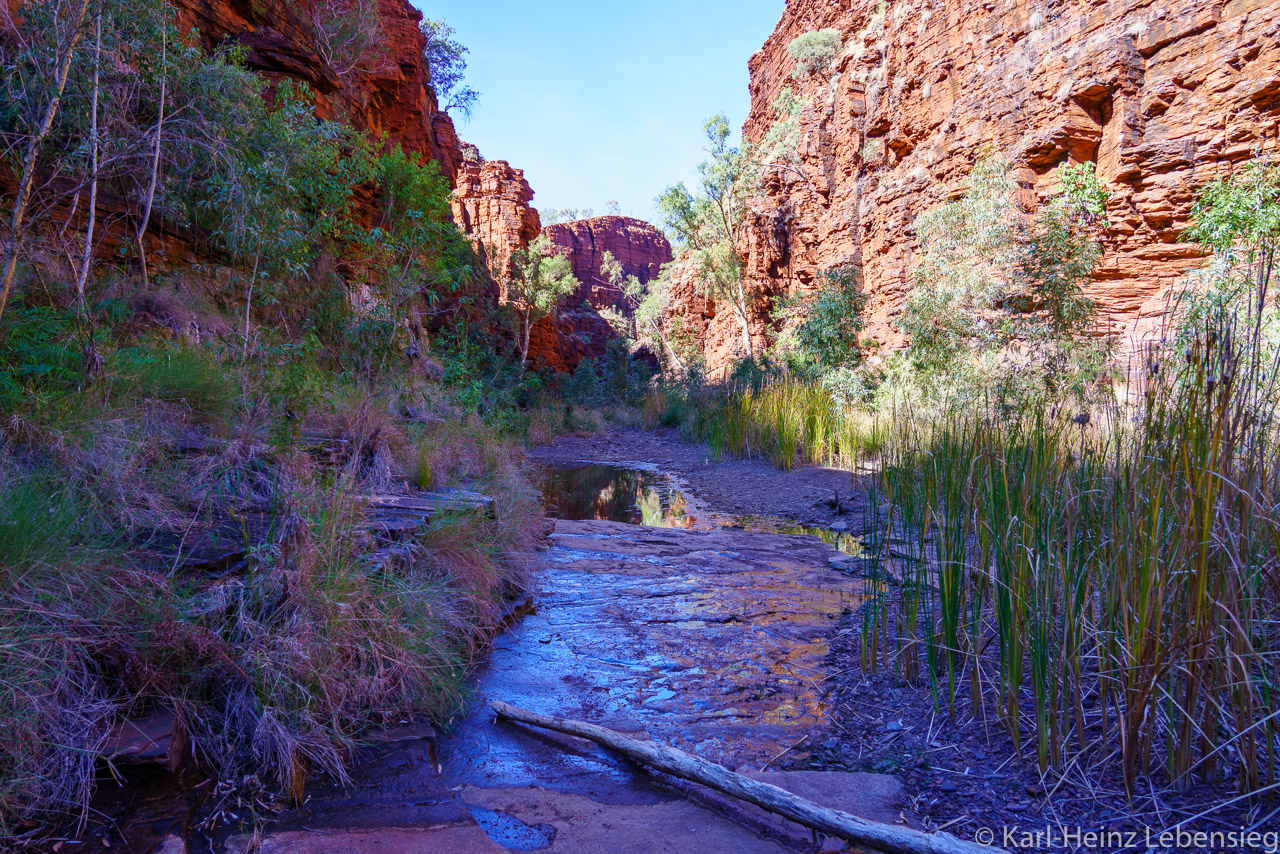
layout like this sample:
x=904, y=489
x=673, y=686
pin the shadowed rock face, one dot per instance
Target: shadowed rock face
x=390, y=94
x=1164, y=96
x=578, y=331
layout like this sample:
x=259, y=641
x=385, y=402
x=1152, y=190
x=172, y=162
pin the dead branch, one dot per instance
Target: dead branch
x=896, y=840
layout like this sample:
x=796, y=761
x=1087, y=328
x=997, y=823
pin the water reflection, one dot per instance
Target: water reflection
x=842, y=541
x=613, y=493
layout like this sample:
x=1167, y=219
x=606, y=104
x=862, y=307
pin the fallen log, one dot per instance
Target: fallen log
x=896, y=840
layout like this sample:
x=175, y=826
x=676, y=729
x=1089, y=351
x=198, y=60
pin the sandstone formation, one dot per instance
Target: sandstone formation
x=491, y=203
x=1164, y=96
x=388, y=92
x=579, y=331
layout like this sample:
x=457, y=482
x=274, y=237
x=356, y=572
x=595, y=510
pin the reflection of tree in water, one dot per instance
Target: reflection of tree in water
x=611, y=493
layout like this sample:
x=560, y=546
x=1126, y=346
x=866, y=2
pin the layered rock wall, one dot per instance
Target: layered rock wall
x=388, y=92
x=492, y=203
x=1164, y=96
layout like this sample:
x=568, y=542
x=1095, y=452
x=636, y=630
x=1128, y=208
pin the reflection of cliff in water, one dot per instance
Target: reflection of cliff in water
x=612, y=493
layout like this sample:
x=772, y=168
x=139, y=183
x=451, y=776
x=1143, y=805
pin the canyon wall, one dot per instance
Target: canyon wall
x=388, y=92
x=492, y=203
x=1164, y=96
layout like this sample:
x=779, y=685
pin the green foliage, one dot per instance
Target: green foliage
x=446, y=62
x=583, y=386
x=41, y=353
x=283, y=189
x=1059, y=252
x=830, y=320
x=537, y=277
x=814, y=51
x=551, y=216
x=1237, y=218
x=190, y=376
x=40, y=521
x=540, y=276
x=709, y=222
x=997, y=301
x=411, y=259
x=968, y=248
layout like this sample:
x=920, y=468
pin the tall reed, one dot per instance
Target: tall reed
x=1105, y=583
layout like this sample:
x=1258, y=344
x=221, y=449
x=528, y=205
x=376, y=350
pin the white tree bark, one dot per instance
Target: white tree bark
x=29, y=161
x=87, y=261
x=155, y=157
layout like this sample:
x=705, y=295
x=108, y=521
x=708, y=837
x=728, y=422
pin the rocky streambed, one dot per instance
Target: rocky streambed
x=688, y=629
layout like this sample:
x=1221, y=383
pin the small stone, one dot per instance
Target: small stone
x=948, y=786
x=936, y=745
x=1017, y=806
x=893, y=726
x=839, y=526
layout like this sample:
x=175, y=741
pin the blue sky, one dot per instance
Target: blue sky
x=603, y=100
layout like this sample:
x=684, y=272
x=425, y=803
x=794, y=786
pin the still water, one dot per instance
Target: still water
x=614, y=493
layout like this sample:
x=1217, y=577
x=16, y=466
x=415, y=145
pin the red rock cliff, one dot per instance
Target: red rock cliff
x=492, y=204
x=1163, y=95
x=388, y=93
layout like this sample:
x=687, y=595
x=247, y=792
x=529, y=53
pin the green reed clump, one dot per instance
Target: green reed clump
x=786, y=421
x=1124, y=571
x=1105, y=583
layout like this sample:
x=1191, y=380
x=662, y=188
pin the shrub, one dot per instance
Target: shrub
x=191, y=376
x=830, y=320
x=815, y=50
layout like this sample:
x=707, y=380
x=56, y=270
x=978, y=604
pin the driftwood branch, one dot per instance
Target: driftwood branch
x=897, y=840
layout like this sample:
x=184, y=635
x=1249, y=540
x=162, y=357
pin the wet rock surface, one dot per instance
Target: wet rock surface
x=712, y=641
x=709, y=638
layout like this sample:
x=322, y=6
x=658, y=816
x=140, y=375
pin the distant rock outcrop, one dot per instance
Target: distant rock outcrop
x=579, y=331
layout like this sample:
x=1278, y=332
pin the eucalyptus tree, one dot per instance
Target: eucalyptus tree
x=536, y=278
x=709, y=222
x=36, y=61
x=648, y=306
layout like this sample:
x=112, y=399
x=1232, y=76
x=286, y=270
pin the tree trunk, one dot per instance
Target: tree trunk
x=83, y=276
x=740, y=306
x=248, y=303
x=885, y=837
x=741, y=310
x=23, y=195
x=155, y=157
x=524, y=347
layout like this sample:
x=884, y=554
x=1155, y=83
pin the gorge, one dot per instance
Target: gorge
x=921, y=456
